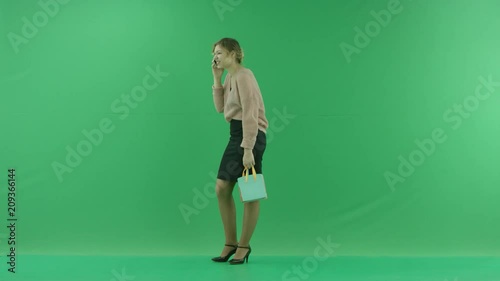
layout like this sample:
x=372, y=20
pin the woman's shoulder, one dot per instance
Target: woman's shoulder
x=245, y=70
x=245, y=73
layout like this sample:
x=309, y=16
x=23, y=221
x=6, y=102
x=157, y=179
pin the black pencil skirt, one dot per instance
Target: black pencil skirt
x=231, y=164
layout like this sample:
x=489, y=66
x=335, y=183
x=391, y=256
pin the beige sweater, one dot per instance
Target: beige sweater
x=240, y=98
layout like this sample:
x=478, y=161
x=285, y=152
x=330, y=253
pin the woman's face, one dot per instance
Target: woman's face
x=222, y=57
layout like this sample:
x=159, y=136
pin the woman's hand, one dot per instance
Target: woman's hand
x=216, y=71
x=248, y=160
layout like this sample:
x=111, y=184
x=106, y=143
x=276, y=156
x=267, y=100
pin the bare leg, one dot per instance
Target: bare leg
x=224, y=190
x=250, y=217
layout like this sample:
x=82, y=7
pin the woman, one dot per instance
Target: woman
x=240, y=100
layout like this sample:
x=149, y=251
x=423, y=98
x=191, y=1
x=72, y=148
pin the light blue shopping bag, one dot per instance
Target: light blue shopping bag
x=253, y=188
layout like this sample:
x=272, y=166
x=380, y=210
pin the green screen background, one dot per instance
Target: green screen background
x=338, y=125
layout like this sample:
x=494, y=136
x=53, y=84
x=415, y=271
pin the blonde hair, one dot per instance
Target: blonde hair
x=231, y=45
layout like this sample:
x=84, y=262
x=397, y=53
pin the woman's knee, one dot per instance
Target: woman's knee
x=223, y=188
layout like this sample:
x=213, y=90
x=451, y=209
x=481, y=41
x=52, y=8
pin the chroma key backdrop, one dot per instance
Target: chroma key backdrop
x=382, y=158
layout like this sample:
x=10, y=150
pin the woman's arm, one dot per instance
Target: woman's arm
x=218, y=95
x=249, y=97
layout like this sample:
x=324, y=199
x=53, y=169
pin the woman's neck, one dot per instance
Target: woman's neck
x=234, y=68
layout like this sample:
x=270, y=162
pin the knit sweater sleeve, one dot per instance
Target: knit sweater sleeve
x=218, y=97
x=249, y=92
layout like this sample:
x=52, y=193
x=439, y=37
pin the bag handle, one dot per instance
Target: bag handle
x=246, y=175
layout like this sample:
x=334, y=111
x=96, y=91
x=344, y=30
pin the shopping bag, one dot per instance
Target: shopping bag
x=252, y=188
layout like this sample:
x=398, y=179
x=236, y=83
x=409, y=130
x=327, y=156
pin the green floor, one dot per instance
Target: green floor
x=259, y=268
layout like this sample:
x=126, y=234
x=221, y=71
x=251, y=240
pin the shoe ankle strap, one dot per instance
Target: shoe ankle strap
x=234, y=246
x=244, y=247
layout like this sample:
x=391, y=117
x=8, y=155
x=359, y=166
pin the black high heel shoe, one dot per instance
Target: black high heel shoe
x=245, y=258
x=225, y=258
